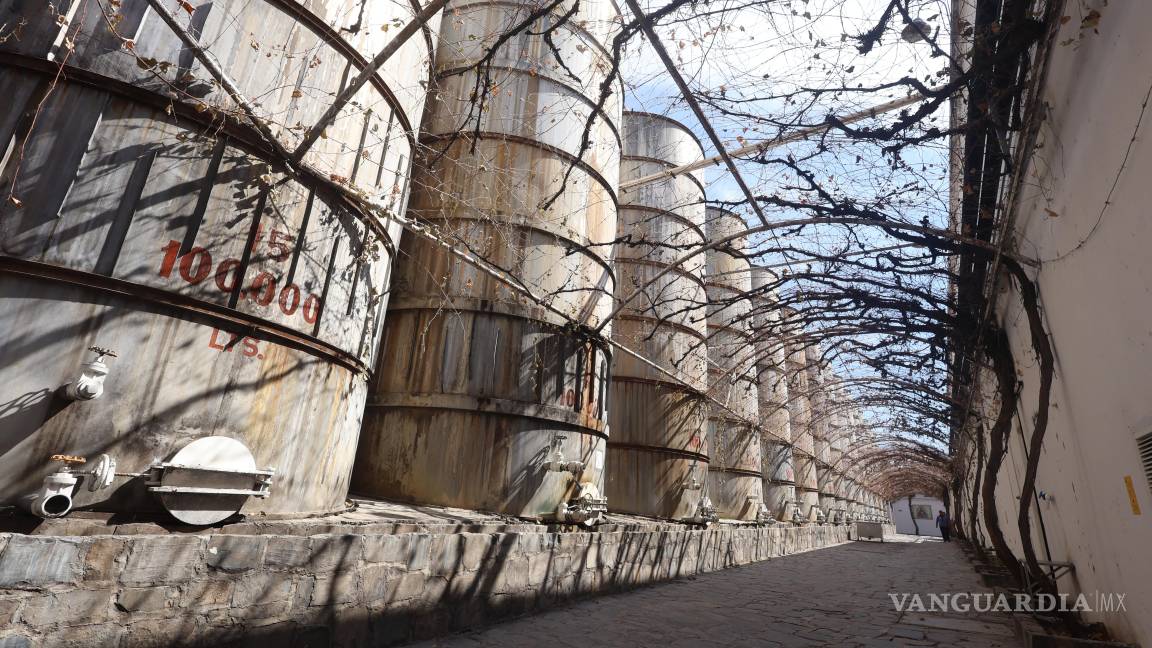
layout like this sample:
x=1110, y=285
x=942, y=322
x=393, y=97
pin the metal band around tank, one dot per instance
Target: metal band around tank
x=182, y=305
x=527, y=141
x=576, y=92
x=518, y=5
x=241, y=135
x=496, y=406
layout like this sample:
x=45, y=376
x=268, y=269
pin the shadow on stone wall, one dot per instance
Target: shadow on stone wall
x=338, y=590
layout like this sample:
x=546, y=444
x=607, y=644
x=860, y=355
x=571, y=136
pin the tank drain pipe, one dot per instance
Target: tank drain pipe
x=588, y=508
x=763, y=515
x=705, y=513
x=54, y=497
x=691, y=483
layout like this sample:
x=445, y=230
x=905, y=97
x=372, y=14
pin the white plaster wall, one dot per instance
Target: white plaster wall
x=1095, y=284
x=902, y=517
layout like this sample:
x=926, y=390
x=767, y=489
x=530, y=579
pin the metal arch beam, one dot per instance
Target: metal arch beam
x=946, y=235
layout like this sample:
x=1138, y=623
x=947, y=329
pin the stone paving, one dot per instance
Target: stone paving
x=837, y=596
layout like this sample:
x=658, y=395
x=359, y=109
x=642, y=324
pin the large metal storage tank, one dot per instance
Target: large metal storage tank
x=823, y=404
x=853, y=496
x=657, y=462
x=772, y=389
x=144, y=217
x=827, y=496
x=821, y=415
x=800, y=411
x=838, y=434
x=839, y=503
x=736, y=470
x=482, y=394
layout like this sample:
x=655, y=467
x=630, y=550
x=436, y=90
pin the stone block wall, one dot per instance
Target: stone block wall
x=339, y=590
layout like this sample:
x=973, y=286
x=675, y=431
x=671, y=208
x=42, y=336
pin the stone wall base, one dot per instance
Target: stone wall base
x=355, y=589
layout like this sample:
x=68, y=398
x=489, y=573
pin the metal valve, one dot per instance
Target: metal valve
x=101, y=352
x=588, y=507
x=692, y=482
x=54, y=498
x=103, y=472
x=705, y=513
x=558, y=463
x=763, y=514
x=89, y=385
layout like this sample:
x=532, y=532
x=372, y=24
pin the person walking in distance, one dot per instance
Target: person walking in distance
x=942, y=523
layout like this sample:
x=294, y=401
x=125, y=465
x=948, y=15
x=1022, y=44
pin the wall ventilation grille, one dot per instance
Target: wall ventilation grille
x=1144, y=444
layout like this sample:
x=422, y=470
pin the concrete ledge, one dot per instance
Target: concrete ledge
x=355, y=589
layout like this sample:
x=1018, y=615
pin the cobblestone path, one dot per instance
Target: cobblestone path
x=837, y=596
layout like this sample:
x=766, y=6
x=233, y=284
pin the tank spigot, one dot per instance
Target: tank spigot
x=763, y=515
x=692, y=482
x=89, y=385
x=588, y=508
x=558, y=463
x=705, y=513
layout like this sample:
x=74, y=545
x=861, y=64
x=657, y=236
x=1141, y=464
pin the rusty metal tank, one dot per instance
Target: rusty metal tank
x=839, y=503
x=838, y=433
x=821, y=415
x=481, y=392
x=827, y=497
x=141, y=214
x=853, y=495
x=772, y=389
x=800, y=411
x=736, y=469
x=822, y=403
x=657, y=464
x=839, y=430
